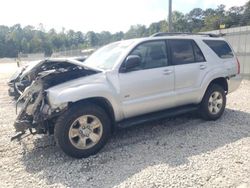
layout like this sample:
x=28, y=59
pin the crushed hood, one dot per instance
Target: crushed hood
x=37, y=64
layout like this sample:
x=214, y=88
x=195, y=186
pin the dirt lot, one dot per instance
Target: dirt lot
x=183, y=151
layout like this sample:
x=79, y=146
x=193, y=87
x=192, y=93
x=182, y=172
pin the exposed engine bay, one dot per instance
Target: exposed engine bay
x=24, y=76
x=35, y=114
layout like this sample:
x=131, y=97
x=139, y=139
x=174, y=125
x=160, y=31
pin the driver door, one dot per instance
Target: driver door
x=150, y=86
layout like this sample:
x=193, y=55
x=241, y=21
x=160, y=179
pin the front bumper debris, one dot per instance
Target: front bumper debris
x=19, y=136
x=22, y=125
x=29, y=115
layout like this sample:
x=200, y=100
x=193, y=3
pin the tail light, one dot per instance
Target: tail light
x=238, y=66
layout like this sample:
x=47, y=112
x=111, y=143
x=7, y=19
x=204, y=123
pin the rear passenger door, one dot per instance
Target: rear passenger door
x=190, y=69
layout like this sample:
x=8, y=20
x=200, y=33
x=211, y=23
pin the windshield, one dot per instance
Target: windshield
x=106, y=57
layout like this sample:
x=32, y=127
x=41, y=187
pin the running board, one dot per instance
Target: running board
x=156, y=116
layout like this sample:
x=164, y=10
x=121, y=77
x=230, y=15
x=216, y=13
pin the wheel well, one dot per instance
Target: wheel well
x=221, y=82
x=103, y=103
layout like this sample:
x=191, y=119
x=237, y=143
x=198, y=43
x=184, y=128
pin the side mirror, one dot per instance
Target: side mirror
x=131, y=62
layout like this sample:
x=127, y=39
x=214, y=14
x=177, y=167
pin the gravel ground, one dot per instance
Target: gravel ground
x=183, y=151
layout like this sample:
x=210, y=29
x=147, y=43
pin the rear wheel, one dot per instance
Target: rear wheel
x=213, y=103
x=82, y=130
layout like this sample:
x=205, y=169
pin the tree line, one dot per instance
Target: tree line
x=17, y=39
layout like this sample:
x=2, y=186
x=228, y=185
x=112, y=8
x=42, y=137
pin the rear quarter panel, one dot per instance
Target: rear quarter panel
x=218, y=67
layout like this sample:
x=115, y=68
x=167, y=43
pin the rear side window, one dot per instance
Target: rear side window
x=185, y=51
x=221, y=48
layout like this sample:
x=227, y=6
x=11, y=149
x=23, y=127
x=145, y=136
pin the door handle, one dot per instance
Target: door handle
x=202, y=67
x=167, y=72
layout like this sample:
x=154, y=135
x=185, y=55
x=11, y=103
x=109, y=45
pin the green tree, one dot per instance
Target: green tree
x=234, y=16
x=136, y=31
x=180, y=23
x=118, y=36
x=104, y=37
x=163, y=26
x=195, y=19
x=245, y=19
x=91, y=39
x=154, y=28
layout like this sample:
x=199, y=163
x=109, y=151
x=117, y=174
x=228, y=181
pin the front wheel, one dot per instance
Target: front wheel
x=213, y=103
x=82, y=130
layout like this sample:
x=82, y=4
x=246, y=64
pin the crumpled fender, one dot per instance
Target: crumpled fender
x=84, y=88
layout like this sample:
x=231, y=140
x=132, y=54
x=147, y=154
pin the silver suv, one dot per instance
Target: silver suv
x=127, y=83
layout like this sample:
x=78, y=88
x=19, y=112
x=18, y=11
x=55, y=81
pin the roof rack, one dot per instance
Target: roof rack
x=161, y=34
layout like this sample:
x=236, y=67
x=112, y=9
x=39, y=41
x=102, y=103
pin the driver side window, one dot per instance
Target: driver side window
x=153, y=54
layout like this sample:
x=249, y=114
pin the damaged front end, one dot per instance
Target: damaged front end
x=36, y=114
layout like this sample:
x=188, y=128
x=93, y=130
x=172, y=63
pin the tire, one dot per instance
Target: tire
x=79, y=142
x=212, y=107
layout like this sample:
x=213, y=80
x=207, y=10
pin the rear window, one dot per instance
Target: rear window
x=221, y=48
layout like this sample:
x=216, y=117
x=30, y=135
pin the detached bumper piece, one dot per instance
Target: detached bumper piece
x=21, y=127
x=17, y=137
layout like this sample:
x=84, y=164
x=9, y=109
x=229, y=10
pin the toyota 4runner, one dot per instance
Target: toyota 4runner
x=127, y=83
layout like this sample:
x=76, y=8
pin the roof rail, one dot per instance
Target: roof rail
x=160, y=34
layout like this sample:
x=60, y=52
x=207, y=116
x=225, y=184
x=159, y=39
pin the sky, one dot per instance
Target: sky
x=97, y=15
